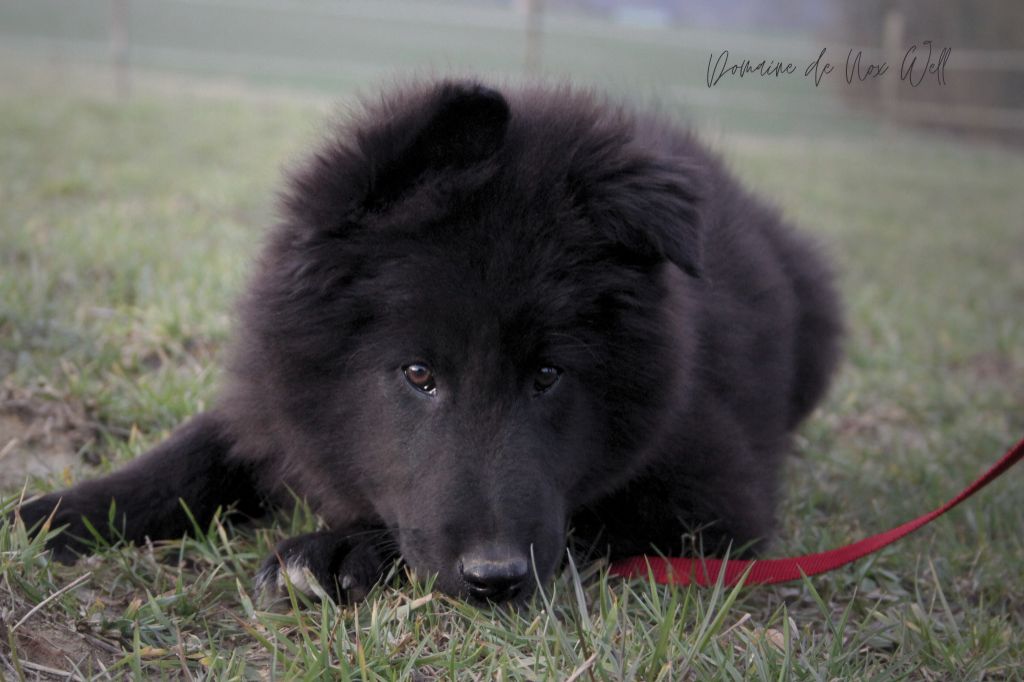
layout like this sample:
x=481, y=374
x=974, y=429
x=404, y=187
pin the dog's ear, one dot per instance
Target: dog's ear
x=456, y=125
x=643, y=202
x=395, y=145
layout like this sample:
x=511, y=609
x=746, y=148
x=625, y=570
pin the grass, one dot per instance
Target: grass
x=126, y=231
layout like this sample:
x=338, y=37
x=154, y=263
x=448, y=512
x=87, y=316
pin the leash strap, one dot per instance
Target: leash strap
x=706, y=571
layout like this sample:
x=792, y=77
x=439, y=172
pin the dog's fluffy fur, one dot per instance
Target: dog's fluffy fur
x=480, y=236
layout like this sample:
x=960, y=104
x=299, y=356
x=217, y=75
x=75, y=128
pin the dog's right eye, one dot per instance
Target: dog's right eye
x=545, y=378
x=420, y=377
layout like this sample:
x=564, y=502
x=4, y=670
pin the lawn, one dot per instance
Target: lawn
x=126, y=230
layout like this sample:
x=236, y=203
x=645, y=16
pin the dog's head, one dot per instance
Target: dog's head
x=462, y=319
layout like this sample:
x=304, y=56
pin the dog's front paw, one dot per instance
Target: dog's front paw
x=341, y=566
x=61, y=510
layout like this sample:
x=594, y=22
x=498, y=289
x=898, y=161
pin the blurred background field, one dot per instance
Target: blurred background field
x=653, y=50
x=138, y=165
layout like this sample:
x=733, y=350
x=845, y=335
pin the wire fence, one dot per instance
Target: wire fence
x=334, y=46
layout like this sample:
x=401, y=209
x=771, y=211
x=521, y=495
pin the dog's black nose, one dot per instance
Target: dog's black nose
x=492, y=575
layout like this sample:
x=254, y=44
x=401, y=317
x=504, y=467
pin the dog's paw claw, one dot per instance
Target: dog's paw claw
x=320, y=566
x=272, y=583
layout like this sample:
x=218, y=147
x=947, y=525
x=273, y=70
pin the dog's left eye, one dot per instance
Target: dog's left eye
x=545, y=378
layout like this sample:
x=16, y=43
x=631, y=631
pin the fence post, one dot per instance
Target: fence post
x=534, y=39
x=892, y=49
x=119, y=45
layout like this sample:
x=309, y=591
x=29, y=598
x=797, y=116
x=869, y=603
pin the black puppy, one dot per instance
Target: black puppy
x=486, y=318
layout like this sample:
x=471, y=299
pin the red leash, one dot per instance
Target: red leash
x=704, y=571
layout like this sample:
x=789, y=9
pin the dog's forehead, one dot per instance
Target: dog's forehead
x=484, y=291
x=487, y=278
